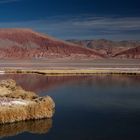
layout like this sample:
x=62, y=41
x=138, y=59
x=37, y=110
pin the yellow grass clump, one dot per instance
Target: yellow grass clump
x=17, y=104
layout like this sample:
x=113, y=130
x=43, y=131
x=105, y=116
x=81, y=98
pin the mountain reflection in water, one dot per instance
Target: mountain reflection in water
x=40, y=83
x=98, y=107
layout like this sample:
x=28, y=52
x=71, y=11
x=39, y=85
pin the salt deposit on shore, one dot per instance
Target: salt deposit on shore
x=10, y=102
x=2, y=72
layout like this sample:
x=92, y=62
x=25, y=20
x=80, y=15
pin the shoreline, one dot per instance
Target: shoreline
x=74, y=71
x=71, y=67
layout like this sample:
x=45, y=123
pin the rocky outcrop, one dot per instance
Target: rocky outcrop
x=27, y=44
x=16, y=104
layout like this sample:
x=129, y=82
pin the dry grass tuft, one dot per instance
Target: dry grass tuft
x=26, y=106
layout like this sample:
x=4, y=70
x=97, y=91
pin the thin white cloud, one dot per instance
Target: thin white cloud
x=8, y=1
x=85, y=27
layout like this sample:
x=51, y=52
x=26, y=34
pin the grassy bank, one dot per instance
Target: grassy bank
x=122, y=71
x=72, y=67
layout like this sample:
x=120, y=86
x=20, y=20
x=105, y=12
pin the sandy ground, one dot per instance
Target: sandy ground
x=72, y=66
x=64, y=63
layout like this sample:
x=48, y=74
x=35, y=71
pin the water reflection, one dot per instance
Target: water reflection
x=41, y=83
x=34, y=126
x=87, y=107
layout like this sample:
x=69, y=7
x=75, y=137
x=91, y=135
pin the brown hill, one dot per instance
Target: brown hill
x=27, y=44
x=109, y=48
x=130, y=53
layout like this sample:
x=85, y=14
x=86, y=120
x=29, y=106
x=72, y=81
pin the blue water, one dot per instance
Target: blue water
x=89, y=108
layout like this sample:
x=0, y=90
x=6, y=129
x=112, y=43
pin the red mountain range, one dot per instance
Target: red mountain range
x=27, y=44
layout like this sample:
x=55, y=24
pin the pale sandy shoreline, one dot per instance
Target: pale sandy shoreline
x=72, y=67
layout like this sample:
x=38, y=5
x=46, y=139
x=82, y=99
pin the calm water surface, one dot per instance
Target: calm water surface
x=87, y=108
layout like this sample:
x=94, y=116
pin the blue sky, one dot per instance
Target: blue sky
x=74, y=19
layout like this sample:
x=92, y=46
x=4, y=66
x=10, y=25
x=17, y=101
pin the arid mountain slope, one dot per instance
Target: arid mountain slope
x=130, y=53
x=27, y=44
x=111, y=48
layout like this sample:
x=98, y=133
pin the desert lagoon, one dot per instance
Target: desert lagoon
x=98, y=107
